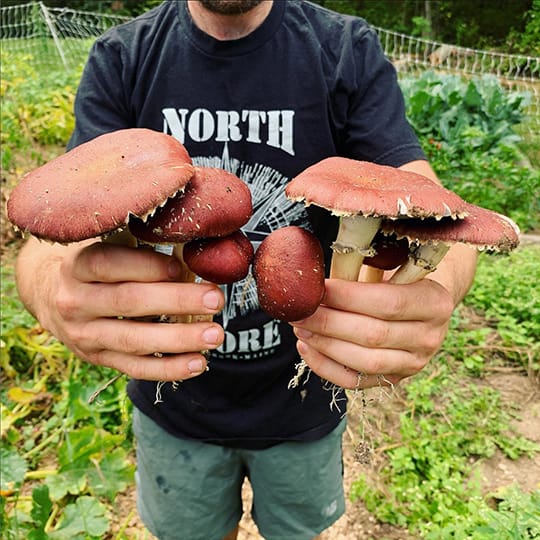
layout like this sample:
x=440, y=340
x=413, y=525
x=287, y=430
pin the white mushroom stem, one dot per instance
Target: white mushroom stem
x=370, y=274
x=352, y=244
x=421, y=262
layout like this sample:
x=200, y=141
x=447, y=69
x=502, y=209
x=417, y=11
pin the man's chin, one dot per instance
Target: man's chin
x=229, y=7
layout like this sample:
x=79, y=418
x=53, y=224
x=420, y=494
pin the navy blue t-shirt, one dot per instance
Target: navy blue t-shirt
x=307, y=84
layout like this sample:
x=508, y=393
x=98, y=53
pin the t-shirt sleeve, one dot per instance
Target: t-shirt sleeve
x=101, y=103
x=376, y=127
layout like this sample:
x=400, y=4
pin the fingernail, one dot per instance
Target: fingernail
x=302, y=333
x=196, y=366
x=211, y=336
x=301, y=347
x=211, y=300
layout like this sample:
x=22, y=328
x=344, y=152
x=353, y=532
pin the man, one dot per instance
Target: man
x=263, y=89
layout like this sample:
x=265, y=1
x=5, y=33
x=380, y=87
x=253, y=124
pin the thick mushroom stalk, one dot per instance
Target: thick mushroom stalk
x=423, y=260
x=482, y=229
x=362, y=194
x=352, y=244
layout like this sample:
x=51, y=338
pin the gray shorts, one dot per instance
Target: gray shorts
x=189, y=490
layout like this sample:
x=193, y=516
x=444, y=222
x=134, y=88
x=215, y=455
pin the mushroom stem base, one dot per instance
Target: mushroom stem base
x=422, y=261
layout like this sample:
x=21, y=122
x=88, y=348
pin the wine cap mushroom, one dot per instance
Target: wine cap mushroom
x=93, y=189
x=288, y=268
x=361, y=194
x=214, y=203
x=220, y=260
x=482, y=229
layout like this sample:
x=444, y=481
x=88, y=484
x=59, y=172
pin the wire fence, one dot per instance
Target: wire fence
x=56, y=37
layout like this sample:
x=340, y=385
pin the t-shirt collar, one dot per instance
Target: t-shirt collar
x=234, y=47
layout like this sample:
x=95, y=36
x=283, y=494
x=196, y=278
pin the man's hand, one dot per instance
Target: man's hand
x=89, y=296
x=367, y=334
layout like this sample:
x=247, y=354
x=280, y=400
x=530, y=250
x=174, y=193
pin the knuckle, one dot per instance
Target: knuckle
x=66, y=304
x=396, y=305
x=121, y=298
x=131, y=342
x=96, y=260
x=418, y=363
x=375, y=366
x=376, y=334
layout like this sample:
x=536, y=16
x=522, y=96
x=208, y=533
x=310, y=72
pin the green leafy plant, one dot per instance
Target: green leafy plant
x=463, y=114
x=468, y=129
x=73, y=455
x=37, y=107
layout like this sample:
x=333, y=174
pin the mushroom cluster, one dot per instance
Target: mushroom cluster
x=139, y=186
x=200, y=221
x=391, y=218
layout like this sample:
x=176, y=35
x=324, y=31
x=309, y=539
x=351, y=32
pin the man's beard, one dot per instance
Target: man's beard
x=229, y=7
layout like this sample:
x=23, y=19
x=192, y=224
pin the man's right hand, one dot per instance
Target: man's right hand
x=90, y=295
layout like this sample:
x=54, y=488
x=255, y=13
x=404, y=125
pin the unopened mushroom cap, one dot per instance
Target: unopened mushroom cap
x=215, y=203
x=220, y=260
x=288, y=268
x=94, y=188
x=349, y=187
x=482, y=228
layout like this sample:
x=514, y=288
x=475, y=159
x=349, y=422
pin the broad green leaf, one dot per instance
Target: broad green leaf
x=83, y=444
x=85, y=518
x=41, y=510
x=12, y=470
x=41, y=505
x=111, y=475
x=72, y=481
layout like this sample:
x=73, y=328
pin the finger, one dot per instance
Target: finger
x=135, y=299
x=110, y=263
x=371, y=332
x=153, y=368
x=137, y=338
x=339, y=374
x=366, y=360
x=422, y=300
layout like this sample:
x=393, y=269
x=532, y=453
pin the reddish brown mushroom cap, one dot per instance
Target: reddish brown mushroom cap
x=94, y=188
x=349, y=187
x=215, y=203
x=220, y=260
x=482, y=228
x=289, y=272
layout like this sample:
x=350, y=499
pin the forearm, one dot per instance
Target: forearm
x=456, y=271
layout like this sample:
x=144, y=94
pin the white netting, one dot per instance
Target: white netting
x=52, y=36
x=63, y=36
x=413, y=55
